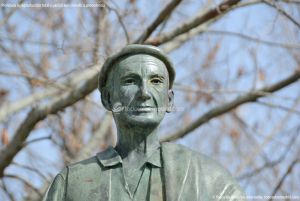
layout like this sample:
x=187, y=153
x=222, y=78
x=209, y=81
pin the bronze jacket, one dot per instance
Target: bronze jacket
x=188, y=176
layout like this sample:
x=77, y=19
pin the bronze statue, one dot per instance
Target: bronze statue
x=136, y=85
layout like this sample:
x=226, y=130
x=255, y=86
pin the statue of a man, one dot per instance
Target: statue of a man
x=136, y=85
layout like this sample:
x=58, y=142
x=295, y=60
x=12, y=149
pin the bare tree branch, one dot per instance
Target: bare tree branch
x=9, y=14
x=274, y=5
x=37, y=140
x=100, y=20
x=25, y=182
x=28, y=41
x=274, y=162
x=249, y=97
x=288, y=171
x=257, y=40
x=279, y=107
x=121, y=23
x=9, y=194
x=9, y=108
x=290, y=1
x=40, y=113
x=35, y=170
x=95, y=139
x=158, y=20
x=181, y=39
x=202, y=18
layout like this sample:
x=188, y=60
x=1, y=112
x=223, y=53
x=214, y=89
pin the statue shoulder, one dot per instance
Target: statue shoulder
x=86, y=163
x=174, y=149
x=206, y=163
x=90, y=167
x=218, y=181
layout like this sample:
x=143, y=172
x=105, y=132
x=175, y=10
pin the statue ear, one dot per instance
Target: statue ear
x=171, y=101
x=105, y=99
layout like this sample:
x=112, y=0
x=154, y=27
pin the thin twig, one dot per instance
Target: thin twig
x=249, y=38
x=274, y=5
x=275, y=129
x=274, y=162
x=98, y=136
x=279, y=107
x=10, y=13
x=290, y=1
x=9, y=194
x=24, y=181
x=36, y=140
x=284, y=176
x=121, y=22
x=158, y=20
x=37, y=171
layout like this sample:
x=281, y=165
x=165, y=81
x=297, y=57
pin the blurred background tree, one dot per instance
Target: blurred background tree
x=236, y=91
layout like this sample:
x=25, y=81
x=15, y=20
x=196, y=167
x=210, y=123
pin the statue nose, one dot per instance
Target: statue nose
x=144, y=92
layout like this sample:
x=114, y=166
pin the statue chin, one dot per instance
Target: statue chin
x=145, y=119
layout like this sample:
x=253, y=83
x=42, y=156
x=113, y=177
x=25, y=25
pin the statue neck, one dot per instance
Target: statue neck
x=135, y=140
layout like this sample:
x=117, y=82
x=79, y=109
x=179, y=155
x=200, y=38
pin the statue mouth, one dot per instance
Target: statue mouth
x=142, y=109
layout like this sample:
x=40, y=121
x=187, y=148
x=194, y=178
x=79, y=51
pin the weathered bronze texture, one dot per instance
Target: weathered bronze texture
x=136, y=85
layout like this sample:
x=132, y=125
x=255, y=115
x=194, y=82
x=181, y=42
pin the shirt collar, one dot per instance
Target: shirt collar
x=110, y=157
x=155, y=158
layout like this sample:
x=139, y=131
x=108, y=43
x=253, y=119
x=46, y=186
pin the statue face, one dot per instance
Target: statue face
x=139, y=90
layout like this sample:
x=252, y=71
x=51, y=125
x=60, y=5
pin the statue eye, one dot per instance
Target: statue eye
x=129, y=81
x=156, y=81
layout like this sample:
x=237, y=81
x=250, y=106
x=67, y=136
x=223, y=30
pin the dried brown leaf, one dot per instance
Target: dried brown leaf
x=211, y=56
x=261, y=75
x=4, y=136
x=234, y=134
x=241, y=71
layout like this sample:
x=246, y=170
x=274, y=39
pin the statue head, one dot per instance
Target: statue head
x=136, y=85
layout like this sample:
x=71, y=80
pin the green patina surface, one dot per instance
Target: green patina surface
x=136, y=85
